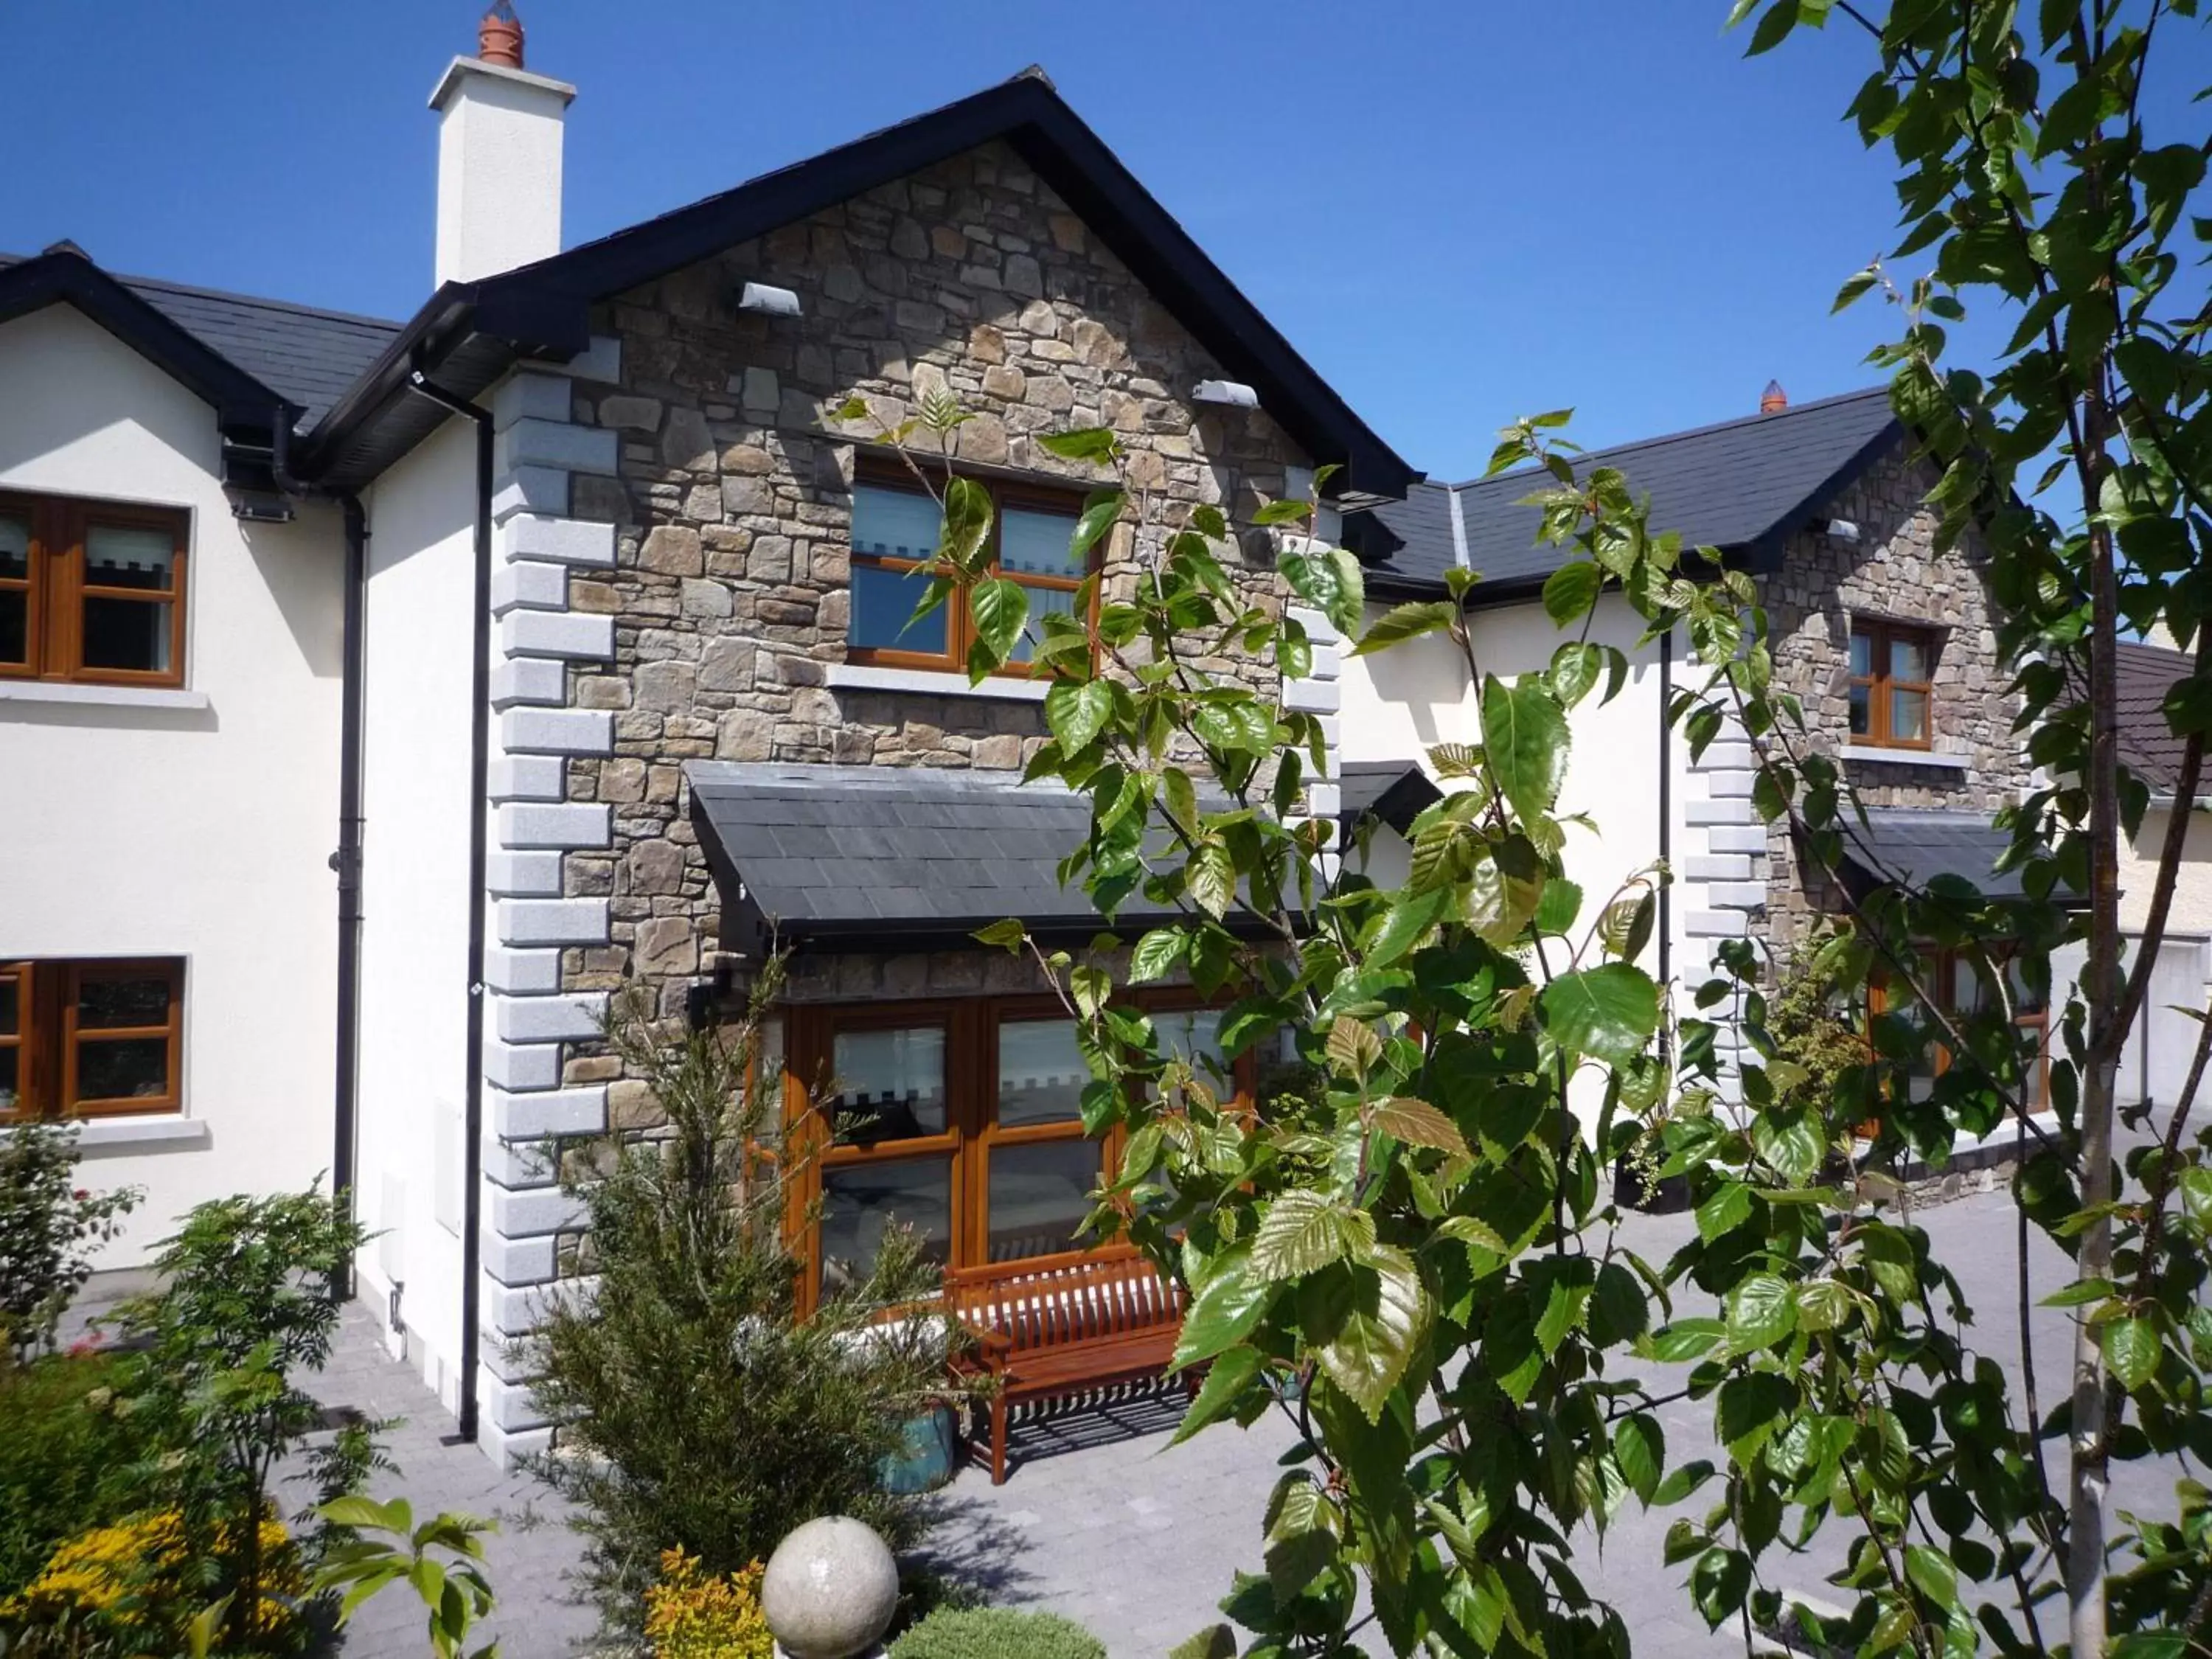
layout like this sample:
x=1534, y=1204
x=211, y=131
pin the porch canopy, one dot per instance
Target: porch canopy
x=1917, y=844
x=881, y=857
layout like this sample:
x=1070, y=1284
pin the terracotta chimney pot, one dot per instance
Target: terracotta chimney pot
x=499, y=37
x=1774, y=399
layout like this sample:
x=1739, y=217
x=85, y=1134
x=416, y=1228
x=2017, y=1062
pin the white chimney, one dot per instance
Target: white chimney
x=499, y=157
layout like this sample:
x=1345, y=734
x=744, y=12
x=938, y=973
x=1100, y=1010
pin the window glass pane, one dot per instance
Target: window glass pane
x=1033, y=544
x=1908, y=716
x=1862, y=655
x=2024, y=1001
x=894, y=524
x=15, y=547
x=1059, y=600
x=858, y=1202
x=11, y=1005
x=8, y=1079
x=121, y=1002
x=890, y=1085
x=14, y=625
x=1041, y=1072
x=1862, y=710
x=881, y=617
x=127, y=1069
x=1908, y=657
x=1039, y=1195
x=130, y=633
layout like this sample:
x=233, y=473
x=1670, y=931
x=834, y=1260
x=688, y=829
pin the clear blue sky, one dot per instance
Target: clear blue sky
x=1460, y=212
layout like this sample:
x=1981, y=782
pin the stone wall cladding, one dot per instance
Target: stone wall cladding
x=1891, y=571
x=732, y=504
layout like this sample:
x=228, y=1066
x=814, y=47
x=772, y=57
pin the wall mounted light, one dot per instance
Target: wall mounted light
x=1233, y=393
x=1842, y=530
x=769, y=300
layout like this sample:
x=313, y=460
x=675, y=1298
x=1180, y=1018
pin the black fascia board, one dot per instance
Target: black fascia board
x=66, y=276
x=543, y=309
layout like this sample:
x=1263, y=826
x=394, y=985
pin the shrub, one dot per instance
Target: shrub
x=997, y=1633
x=703, y=1413
x=690, y=1615
x=49, y=1228
x=68, y=1458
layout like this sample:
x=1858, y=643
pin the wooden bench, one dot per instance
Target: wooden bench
x=1046, y=1331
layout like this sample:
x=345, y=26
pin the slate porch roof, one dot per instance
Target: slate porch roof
x=880, y=857
x=1395, y=792
x=1743, y=486
x=1917, y=844
x=306, y=355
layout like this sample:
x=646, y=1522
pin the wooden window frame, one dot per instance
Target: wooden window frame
x=47, y=1037
x=1880, y=633
x=56, y=588
x=878, y=472
x=971, y=1053
x=1940, y=972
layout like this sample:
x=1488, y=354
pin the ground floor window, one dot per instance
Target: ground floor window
x=1956, y=985
x=962, y=1120
x=90, y=1039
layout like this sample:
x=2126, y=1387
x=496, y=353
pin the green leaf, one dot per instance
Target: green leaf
x=1472, y=1229
x=1417, y=1124
x=1226, y=1379
x=1352, y=1046
x=1286, y=511
x=1213, y=877
x=1007, y=935
x=2195, y=1184
x=1098, y=519
x=1225, y=1311
x=1790, y=1142
x=1853, y=287
x=2131, y=1350
x=1406, y=621
x=1302, y=1232
x=1639, y=1447
x=1000, y=608
x=1773, y=28
x=1609, y=1012
x=1932, y=1575
x=1157, y=953
x=1524, y=733
x=967, y=524
x=1077, y=711
x=1729, y=1208
x=1571, y=590
x=1206, y=519
x=1389, y=1318
x=1214, y=1641
x=1576, y=668
x=1761, y=1312
x=1090, y=443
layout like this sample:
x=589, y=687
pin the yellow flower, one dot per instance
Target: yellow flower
x=688, y=1615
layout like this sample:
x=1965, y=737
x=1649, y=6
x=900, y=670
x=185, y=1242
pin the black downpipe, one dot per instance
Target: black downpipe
x=479, y=834
x=346, y=860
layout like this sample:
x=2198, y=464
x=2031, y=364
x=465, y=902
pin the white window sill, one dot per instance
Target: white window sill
x=135, y=1134
x=100, y=697
x=860, y=676
x=1930, y=757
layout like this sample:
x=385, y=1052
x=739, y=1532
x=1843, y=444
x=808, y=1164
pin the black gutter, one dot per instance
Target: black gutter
x=479, y=836
x=346, y=860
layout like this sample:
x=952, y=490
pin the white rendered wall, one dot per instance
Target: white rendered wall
x=196, y=828
x=499, y=168
x=414, y=892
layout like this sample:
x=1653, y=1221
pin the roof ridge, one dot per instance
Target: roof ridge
x=1773, y=418
x=168, y=286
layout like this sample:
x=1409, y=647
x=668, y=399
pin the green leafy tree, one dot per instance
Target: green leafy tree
x=441, y=1561
x=49, y=1228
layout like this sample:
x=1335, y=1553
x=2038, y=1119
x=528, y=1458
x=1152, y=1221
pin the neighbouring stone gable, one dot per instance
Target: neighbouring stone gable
x=1892, y=571
x=732, y=501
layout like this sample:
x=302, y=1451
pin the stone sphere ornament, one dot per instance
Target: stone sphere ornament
x=830, y=1589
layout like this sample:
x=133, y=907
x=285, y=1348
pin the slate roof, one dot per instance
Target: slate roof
x=1917, y=844
x=1393, y=790
x=303, y=354
x=2147, y=743
x=914, y=855
x=1743, y=486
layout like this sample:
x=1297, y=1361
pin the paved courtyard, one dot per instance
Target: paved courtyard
x=1101, y=1521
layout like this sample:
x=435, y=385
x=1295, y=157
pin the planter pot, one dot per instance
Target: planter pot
x=1667, y=1197
x=926, y=1455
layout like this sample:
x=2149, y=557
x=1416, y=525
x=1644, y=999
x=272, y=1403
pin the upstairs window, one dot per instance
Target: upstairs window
x=90, y=1039
x=895, y=528
x=1893, y=673
x=91, y=592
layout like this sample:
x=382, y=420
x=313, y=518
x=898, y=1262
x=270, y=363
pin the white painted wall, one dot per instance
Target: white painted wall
x=414, y=892
x=201, y=832
x=499, y=168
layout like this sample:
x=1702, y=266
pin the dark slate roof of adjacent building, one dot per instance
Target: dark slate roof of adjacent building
x=2149, y=745
x=306, y=355
x=1915, y=845
x=912, y=856
x=1743, y=486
